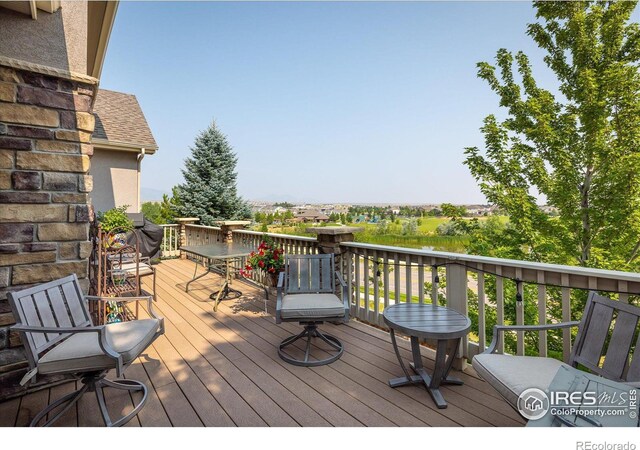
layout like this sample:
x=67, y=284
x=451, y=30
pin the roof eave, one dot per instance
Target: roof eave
x=100, y=28
x=123, y=146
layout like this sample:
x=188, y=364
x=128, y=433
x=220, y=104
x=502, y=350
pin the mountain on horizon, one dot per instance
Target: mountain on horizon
x=152, y=195
x=274, y=198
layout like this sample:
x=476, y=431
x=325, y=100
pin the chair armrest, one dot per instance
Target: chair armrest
x=499, y=329
x=280, y=292
x=341, y=279
x=72, y=330
x=345, y=296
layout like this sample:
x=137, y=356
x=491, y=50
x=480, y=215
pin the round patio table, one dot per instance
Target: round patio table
x=420, y=321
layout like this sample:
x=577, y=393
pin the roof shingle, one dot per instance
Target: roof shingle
x=119, y=119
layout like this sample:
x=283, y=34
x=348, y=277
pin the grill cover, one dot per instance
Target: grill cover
x=149, y=237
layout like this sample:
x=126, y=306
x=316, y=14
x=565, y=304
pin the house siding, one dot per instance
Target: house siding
x=57, y=40
x=115, y=180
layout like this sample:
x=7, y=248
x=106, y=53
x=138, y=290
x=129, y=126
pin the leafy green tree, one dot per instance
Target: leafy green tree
x=209, y=191
x=169, y=206
x=453, y=211
x=579, y=148
x=152, y=211
x=410, y=227
x=382, y=227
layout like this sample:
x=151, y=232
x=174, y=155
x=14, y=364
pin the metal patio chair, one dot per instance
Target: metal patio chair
x=604, y=345
x=306, y=294
x=60, y=338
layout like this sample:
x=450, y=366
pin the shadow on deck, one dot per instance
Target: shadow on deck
x=223, y=369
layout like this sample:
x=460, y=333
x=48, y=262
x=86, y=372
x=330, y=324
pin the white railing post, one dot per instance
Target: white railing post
x=169, y=245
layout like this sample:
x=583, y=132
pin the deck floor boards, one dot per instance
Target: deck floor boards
x=222, y=369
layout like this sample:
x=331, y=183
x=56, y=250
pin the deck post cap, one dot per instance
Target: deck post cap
x=334, y=231
x=230, y=223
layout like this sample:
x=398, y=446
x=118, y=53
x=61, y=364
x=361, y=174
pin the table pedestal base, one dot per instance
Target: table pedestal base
x=224, y=259
x=445, y=354
x=425, y=379
x=226, y=292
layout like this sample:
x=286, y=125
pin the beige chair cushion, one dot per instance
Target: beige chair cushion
x=309, y=306
x=82, y=352
x=130, y=268
x=512, y=375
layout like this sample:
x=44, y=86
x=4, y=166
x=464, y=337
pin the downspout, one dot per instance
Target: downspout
x=139, y=159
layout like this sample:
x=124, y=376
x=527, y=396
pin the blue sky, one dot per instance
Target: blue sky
x=322, y=102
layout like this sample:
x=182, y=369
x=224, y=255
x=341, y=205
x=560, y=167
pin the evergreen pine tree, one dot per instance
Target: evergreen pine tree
x=209, y=191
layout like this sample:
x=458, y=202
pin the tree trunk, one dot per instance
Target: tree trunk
x=585, y=244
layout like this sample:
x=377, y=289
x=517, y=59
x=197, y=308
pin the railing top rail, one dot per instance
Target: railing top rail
x=486, y=260
x=276, y=235
x=168, y=225
x=206, y=227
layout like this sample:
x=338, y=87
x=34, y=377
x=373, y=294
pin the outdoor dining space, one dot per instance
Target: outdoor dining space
x=222, y=368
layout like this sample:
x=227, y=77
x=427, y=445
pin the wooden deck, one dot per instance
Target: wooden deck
x=222, y=369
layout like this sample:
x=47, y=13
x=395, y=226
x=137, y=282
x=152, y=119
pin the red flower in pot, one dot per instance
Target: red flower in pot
x=268, y=259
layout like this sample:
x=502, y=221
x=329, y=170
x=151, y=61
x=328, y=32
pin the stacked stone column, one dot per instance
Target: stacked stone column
x=329, y=239
x=46, y=124
x=228, y=226
x=183, y=222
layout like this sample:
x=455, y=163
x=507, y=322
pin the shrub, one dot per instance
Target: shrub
x=114, y=218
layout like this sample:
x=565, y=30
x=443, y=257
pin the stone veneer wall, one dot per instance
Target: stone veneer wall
x=46, y=124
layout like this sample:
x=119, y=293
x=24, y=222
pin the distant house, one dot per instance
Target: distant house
x=312, y=216
x=550, y=210
x=121, y=140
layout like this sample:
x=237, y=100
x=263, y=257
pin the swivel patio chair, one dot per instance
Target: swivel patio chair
x=306, y=294
x=603, y=320
x=60, y=338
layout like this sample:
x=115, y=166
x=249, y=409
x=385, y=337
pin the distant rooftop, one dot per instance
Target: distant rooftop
x=121, y=122
x=312, y=214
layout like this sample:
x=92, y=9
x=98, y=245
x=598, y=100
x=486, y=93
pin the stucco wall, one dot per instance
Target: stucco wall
x=56, y=40
x=115, y=180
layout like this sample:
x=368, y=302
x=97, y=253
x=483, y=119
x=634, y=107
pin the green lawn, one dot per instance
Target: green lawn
x=426, y=236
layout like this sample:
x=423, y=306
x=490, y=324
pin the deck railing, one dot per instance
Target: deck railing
x=203, y=235
x=291, y=244
x=170, y=241
x=294, y=245
x=380, y=276
x=489, y=290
